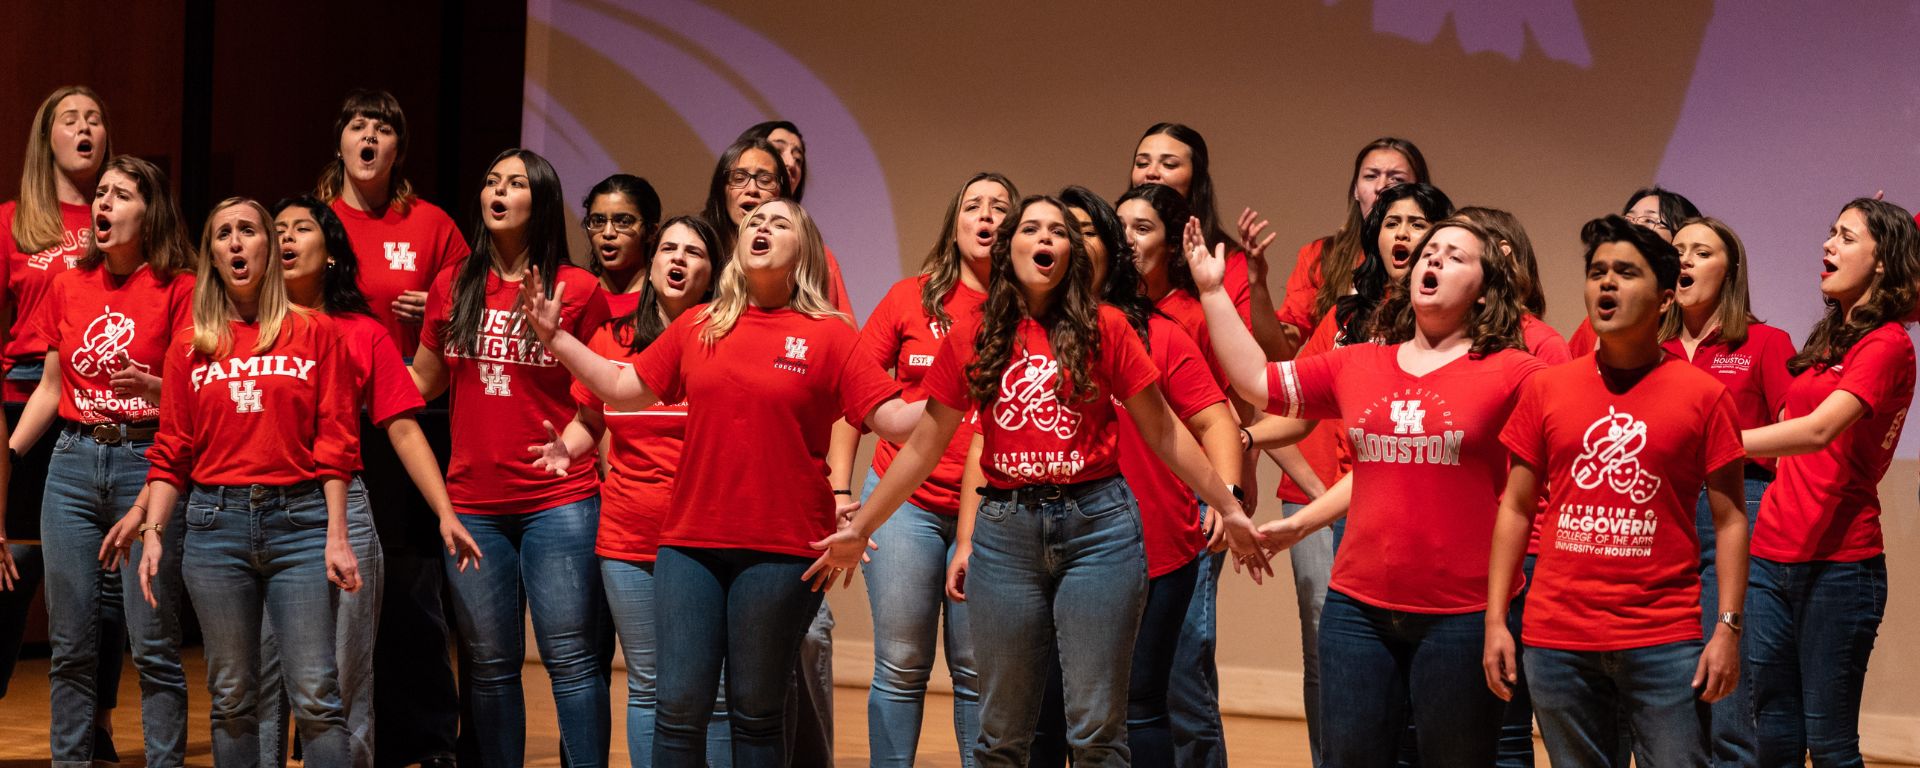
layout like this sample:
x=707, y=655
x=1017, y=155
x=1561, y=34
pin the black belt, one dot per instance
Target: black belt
x=1041, y=494
x=115, y=434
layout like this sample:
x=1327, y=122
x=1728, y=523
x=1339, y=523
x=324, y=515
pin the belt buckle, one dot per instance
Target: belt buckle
x=106, y=434
x=1052, y=493
x=258, y=492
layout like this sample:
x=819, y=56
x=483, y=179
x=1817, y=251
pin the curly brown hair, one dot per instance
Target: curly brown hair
x=1494, y=322
x=1890, y=295
x=1072, y=319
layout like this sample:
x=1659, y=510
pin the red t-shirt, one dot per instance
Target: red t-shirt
x=1583, y=341
x=29, y=275
x=380, y=381
x=761, y=404
x=398, y=253
x=622, y=304
x=643, y=451
x=503, y=389
x=1303, y=284
x=279, y=418
x=95, y=321
x=1825, y=505
x=1323, y=447
x=1429, y=468
x=1033, y=435
x=1169, y=513
x=901, y=335
x=1191, y=318
x=1755, y=373
x=1619, y=562
x=837, y=287
x=1543, y=341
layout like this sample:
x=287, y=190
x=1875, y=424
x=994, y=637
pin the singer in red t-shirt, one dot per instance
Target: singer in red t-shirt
x=1056, y=541
x=1622, y=440
x=1422, y=412
x=621, y=219
x=106, y=324
x=1819, y=561
x=536, y=530
x=766, y=370
x=257, y=419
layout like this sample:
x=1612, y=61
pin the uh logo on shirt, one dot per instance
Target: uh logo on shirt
x=1410, y=443
x=242, y=375
x=794, y=358
x=400, y=256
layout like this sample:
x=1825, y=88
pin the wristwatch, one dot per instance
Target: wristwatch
x=155, y=527
x=1732, y=620
x=1238, y=494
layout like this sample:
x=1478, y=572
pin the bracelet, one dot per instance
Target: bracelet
x=155, y=527
x=143, y=510
x=1247, y=435
x=842, y=492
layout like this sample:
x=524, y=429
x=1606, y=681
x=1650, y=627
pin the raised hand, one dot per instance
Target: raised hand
x=542, y=313
x=551, y=456
x=1209, y=269
x=1251, y=225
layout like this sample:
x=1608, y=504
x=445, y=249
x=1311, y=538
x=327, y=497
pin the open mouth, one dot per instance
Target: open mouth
x=85, y=147
x=288, y=257
x=239, y=267
x=1605, y=306
x=609, y=251
x=101, y=224
x=1401, y=255
x=1686, y=280
x=498, y=208
x=1043, y=261
x=677, y=279
x=1827, y=267
x=367, y=154
x=760, y=244
x=1429, y=283
x=984, y=237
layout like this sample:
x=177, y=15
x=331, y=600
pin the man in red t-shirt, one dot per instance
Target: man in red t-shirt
x=1624, y=439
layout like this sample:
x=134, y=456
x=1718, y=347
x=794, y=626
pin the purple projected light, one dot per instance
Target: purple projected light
x=1500, y=26
x=847, y=193
x=1794, y=109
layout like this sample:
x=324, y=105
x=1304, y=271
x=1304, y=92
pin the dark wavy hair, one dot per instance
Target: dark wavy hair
x=1507, y=229
x=764, y=131
x=1340, y=252
x=1356, y=312
x=546, y=250
x=1072, y=319
x=1200, y=195
x=1674, y=207
x=716, y=208
x=1121, y=288
x=638, y=330
x=1494, y=322
x=340, y=282
x=1172, y=211
x=633, y=188
x=943, y=263
x=1896, y=242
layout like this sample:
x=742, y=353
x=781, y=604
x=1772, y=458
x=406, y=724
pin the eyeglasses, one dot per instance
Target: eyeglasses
x=624, y=223
x=1648, y=221
x=739, y=177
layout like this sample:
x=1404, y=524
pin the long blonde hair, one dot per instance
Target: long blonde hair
x=809, y=278
x=36, y=222
x=213, y=311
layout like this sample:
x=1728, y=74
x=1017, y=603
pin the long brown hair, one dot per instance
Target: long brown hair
x=36, y=222
x=1072, y=320
x=164, y=245
x=1736, y=309
x=373, y=105
x=1340, y=252
x=1891, y=294
x=1506, y=229
x=1494, y=322
x=944, y=262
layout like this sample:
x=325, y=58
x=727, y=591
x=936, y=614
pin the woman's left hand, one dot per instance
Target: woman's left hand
x=842, y=551
x=343, y=569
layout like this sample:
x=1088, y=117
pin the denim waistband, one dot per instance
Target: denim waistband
x=257, y=493
x=1034, y=495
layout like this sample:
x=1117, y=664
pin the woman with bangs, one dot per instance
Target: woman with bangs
x=1423, y=410
x=406, y=241
x=906, y=577
x=535, y=530
x=1818, y=586
x=1057, y=557
x=257, y=431
x=106, y=324
x=769, y=357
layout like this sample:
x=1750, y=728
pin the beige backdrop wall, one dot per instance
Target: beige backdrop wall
x=1553, y=109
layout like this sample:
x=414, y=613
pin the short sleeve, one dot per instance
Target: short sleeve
x=1296, y=308
x=880, y=337
x=1546, y=343
x=659, y=366
x=433, y=331
x=390, y=389
x=1525, y=433
x=336, y=441
x=1776, y=350
x=946, y=380
x=862, y=386
x=1879, y=368
x=45, y=322
x=1127, y=367
x=1304, y=388
x=591, y=311
x=1187, y=381
x=1720, y=444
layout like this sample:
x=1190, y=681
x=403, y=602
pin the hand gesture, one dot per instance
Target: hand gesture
x=1280, y=535
x=411, y=306
x=542, y=313
x=9, y=573
x=551, y=456
x=1247, y=544
x=1251, y=225
x=1719, y=668
x=460, y=544
x=117, y=546
x=1496, y=659
x=343, y=569
x=842, y=550
x=1209, y=269
x=131, y=380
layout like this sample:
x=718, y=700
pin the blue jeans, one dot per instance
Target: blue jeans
x=1373, y=660
x=1312, y=568
x=630, y=595
x=906, y=588
x=356, y=622
x=737, y=608
x=1516, y=725
x=1585, y=699
x=1730, y=737
x=1193, y=695
x=90, y=486
x=254, y=554
x=542, y=562
x=1810, y=631
x=1057, y=572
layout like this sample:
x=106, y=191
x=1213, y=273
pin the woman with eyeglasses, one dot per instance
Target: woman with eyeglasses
x=623, y=214
x=1661, y=210
x=752, y=171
